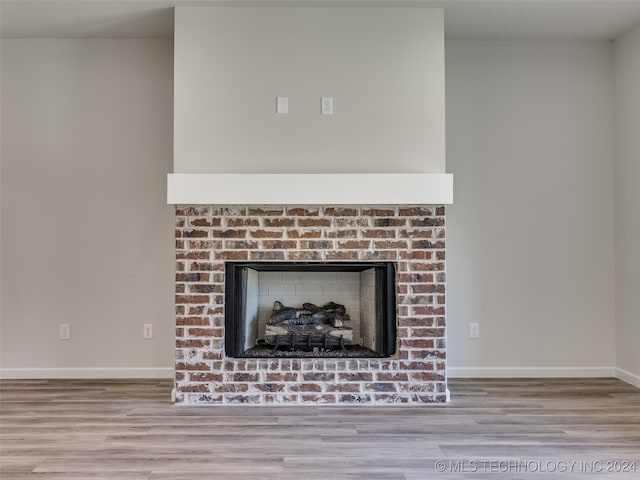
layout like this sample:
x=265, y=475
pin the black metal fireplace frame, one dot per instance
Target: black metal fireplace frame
x=236, y=279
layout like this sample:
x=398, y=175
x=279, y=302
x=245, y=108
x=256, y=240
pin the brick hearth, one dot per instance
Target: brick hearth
x=412, y=237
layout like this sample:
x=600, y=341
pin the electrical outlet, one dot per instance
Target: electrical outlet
x=147, y=331
x=282, y=105
x=326, y=105
x=474, y=330
x=64, y=332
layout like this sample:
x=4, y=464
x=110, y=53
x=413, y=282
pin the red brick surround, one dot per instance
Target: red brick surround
x=412, y=237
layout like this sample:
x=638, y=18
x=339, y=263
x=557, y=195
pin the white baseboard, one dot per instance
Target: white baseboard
x=530, y=372
x=89, y=372
x=628, y=377
x=452, y=372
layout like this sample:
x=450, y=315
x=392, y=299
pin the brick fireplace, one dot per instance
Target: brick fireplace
x=412, y=237
x=254, y=183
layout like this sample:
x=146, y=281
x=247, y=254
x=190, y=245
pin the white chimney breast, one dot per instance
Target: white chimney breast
x=382, y=66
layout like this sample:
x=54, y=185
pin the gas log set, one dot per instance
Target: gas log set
x=310, y=327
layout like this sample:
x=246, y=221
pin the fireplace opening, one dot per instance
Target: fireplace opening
x=294, y=309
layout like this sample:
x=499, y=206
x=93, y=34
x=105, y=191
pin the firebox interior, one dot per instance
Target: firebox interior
x=365, y=327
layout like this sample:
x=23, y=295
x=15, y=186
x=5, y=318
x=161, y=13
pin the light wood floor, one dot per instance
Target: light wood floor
x=103, y=429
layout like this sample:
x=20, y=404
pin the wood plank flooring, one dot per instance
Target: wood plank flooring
x=506, y=429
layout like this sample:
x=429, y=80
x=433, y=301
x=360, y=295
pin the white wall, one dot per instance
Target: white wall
x=86, y=146
x=384, y=68
x=627, y=198
x=530, y=236
x=87, y=238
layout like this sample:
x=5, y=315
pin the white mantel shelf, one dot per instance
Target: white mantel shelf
x=310, y=189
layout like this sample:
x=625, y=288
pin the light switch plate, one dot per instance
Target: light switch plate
x=474, y=330
x=326, y=105
x=64, y=332
x=282, y=105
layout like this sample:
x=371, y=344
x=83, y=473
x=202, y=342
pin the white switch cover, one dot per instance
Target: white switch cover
x=64, y=331
x=282, y=104
x=326, y=105
x=474, y=330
